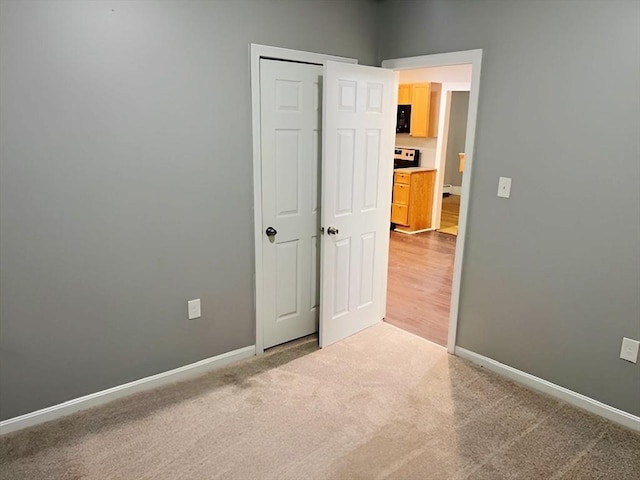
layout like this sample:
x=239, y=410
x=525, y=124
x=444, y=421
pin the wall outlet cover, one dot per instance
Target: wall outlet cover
x=504, y=187
x=629, y=350
x=194, y=309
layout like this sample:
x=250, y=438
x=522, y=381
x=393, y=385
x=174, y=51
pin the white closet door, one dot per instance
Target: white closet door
x=290, y=126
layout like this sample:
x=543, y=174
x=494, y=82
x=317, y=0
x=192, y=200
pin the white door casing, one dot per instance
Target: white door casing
x=473, y=57
x=257, y=52
x=359, y=110
x=290, y=138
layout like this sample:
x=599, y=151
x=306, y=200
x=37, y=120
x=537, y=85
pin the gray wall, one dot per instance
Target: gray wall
x=551, y=279
x=456, y=137
x=125, y=189
x=126, y=184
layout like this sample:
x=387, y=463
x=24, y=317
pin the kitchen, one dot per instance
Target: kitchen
x=421, y=257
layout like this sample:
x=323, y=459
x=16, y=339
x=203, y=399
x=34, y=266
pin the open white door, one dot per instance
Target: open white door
x=359, y=113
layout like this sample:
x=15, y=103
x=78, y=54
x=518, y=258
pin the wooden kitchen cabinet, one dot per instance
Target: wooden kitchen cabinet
x=404, y=94
x=412, y=201
x=425, y=109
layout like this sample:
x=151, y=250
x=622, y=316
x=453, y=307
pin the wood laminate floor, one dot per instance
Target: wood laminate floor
x=419, y=285
x=450, y=211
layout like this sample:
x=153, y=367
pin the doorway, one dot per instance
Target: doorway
x=421, y=264
x=453, y=140
x=376, y=92
x=433, y=286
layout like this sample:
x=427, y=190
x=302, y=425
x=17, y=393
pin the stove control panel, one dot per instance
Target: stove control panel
x=406, y=157
x=404, y=153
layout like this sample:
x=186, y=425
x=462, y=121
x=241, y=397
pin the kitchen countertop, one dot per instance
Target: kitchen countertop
x=414, y=169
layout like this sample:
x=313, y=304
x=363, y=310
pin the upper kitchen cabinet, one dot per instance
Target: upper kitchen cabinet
x=425, y=108
x=404, y=94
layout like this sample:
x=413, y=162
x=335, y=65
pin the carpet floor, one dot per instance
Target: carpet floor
x=382, y=404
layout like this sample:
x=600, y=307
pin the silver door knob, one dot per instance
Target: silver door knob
x=271, y=232
x=333, y=231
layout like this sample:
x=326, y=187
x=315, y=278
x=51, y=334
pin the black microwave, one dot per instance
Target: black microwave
x=403, y=120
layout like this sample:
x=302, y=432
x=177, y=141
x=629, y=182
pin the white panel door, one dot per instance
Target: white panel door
x=359, y=109
x=290, y=128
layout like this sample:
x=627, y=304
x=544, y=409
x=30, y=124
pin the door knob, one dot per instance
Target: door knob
x=332, y=231
x=271, y=232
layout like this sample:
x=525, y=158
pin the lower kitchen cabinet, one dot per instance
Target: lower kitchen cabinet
x=412, y=201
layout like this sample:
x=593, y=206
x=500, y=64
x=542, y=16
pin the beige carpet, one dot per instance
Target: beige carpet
x=382, y=404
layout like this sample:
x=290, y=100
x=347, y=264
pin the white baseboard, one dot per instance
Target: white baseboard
x=535, y=383
x=456, y=190
x=105, y=396
x=413, y=232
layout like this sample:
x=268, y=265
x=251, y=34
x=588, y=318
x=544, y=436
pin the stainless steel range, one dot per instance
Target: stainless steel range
x=406, y=157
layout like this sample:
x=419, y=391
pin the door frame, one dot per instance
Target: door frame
x=257, y=52
x=473, y=57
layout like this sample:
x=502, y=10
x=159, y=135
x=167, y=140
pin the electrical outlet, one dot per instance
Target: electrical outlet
x=194, y=309
x=504, y=187
x=629, y=350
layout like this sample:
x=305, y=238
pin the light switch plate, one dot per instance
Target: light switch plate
x=504, y=187
x=194, y=309
x=629, y=350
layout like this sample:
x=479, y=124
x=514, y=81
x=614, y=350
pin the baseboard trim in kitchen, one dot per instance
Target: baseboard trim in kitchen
x=535, y=383
x=124, y=390
x=413, y=232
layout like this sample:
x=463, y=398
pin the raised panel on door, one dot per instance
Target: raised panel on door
x=359, y=131
x=290, y=131
x=342, y=285
x=314, y=291
x=367, y=261
x=370, y=177
x=287, y=259
x=287, y=160
x=344, y=173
